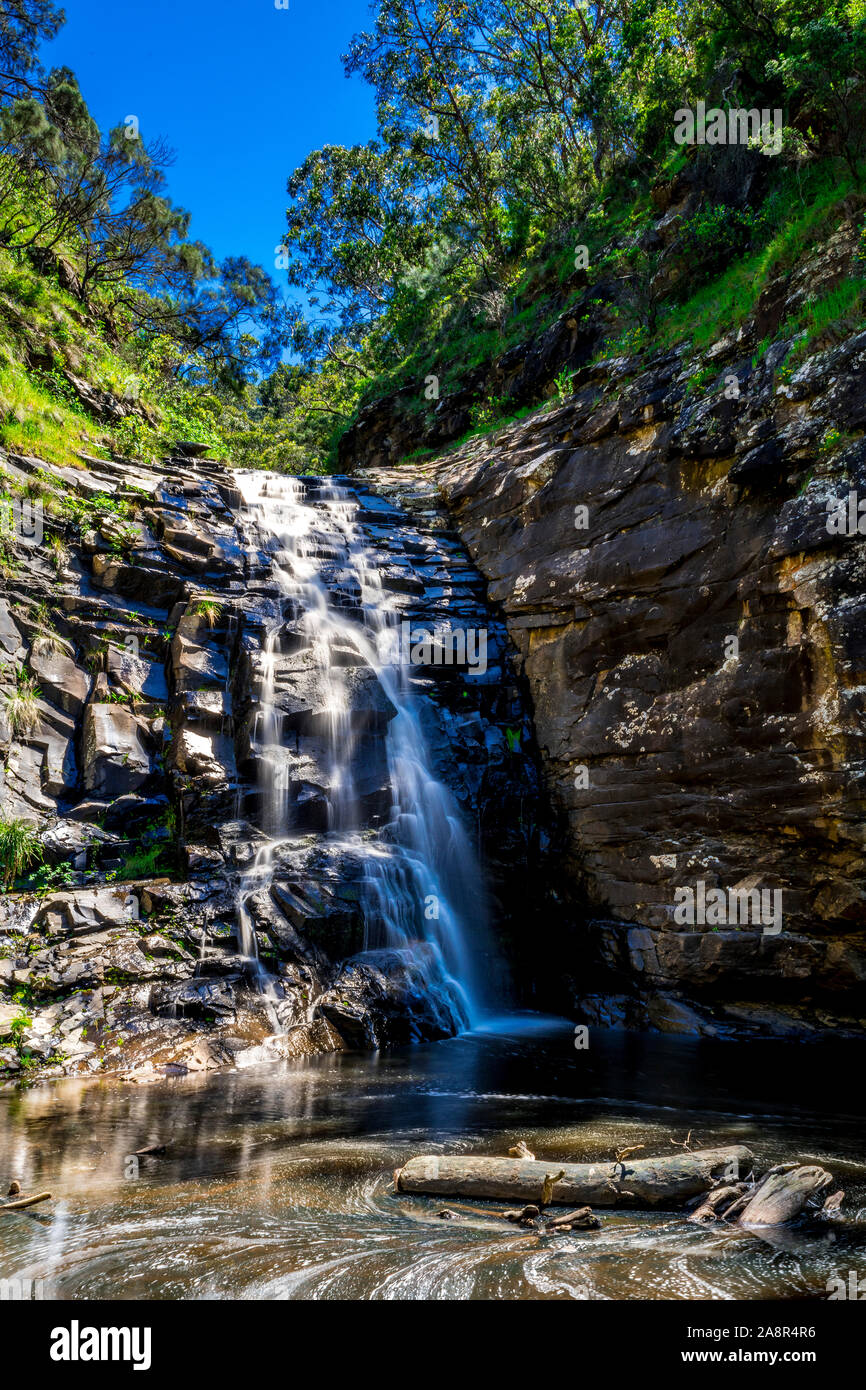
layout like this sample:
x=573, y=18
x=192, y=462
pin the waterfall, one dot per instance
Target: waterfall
x=420, y=888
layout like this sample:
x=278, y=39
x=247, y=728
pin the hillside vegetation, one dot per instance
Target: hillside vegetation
x=526, y=175
x=527, y=167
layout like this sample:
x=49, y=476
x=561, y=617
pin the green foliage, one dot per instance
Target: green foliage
x=821, y=64
x=826, y=318
x=21, y=703
x=19, y=848
x=209, y=609
x=486, y=413
x=718, y=233
x=141, y=863
x=49, y=878
x=510, y=131
x=563, y=384
x=20, y=1022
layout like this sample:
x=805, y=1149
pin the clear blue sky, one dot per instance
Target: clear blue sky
x=242, y=92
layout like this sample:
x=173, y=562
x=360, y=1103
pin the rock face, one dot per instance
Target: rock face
x=141, y=767
x=116, y=760
x=681, y=570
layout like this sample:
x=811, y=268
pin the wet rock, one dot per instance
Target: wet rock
x=197, y=667
x=137, y=676
x=86, y=910
x=60, y=678
x=203, y=1000
x=115, y=756
x=152, y=976
x=670, y=759
x=388, y=998
x=10, y=638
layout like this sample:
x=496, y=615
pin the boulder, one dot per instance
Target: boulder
x=59, y=677
x=11, y=642
x=137, y=676
x=114, y=753
x=86, y=910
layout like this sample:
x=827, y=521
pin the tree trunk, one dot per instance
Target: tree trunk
x=640, y=1182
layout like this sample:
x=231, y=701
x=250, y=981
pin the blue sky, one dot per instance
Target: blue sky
x=242, y=92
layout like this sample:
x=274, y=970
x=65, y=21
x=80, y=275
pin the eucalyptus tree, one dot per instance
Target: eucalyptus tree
x=432, y=96
x=24, y=24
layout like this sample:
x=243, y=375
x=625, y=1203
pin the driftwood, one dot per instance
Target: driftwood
x=21, y=1202
x=520, y=1151
x=523, y=1216
x=783, y=1196
x=643, y=1182
x=719, y=1202
x=580, y=1220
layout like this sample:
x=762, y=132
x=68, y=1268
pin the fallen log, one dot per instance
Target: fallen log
x=23, y=1202
x=783, y=1196
x=642, y=1182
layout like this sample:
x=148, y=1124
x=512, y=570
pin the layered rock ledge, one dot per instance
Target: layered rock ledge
x=138, y=765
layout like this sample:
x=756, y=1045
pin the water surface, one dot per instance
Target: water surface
x=277, y=1181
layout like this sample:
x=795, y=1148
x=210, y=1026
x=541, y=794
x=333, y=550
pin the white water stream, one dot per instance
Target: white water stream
x=420, y=871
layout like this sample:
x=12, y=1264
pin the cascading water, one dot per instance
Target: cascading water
x=418, y=864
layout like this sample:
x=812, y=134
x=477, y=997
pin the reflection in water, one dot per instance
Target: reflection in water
x=277, y=1180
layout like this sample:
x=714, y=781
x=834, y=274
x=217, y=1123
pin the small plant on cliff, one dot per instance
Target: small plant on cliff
x=209, y=609
x=22, y=707
x=47, y=639
x=485, y=414
x=830, y=440
x=58, y=553
x=21, y=1021
x=563, y=384
x=19, y=848
x=142, y=863
x=49, y=878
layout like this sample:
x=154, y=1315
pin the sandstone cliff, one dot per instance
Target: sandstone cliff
x=691, y=629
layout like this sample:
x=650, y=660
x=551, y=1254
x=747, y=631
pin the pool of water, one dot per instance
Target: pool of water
x=277, y=1181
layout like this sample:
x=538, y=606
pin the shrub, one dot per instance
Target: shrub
x=718, y=234
x=19, y=848
x=209, y=609
x=22, y=709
